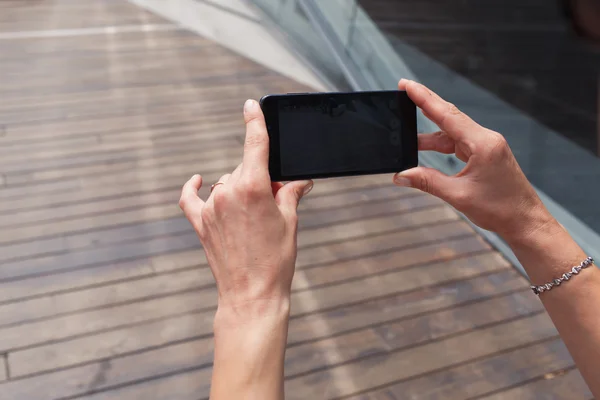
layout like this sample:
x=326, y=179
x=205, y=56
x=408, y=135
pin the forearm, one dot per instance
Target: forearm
x=546, y=254
x=249, y=352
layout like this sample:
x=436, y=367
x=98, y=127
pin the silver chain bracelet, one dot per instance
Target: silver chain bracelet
x=537, y=290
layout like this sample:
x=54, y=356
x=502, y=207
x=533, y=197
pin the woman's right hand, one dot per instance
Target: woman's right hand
x=492, y=190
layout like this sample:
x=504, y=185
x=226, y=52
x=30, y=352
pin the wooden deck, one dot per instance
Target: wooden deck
x=106, y=294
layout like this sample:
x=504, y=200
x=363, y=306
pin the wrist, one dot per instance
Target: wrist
x=545, y=249
x=250, y=313
x=537, y=225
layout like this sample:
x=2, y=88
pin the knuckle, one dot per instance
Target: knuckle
x=249, y=190
x=182, y=202
x=220, y=196
x=498, y=148
x=221, y=200
x=425, y=184
x=451, y=114
x=461, y=199
x=453, y=110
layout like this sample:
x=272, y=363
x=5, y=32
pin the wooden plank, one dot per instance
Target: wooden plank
x=178, y=357
x=399, y=201
x=383, y=369
x=75, y=196
x=67, y=245
x=21, y=191
x=312, y=215
x=408, y=333
x=53, y=197
x=120, y=293
x=136, y=367
x=215, y=78
x=142, y=75
x=122, y=101
x=107, y=236
x=177, y=112
x=108, y=274
x=91, y=346
x=48, y=107
x=110, y=373
x=558, y=385
x=64, y=18
x=359, y=315
x=137, y=188
x=108, y=319
x=117, y=42
x=373, y=225
x=356, y=291
x=161, y=196
x=185, y=386
x=73, y=106
x=304, y=302
x=109, y=344
x=48, y=180
x=76, y=260
x=122, y=128
x=229, y=148
x=382, y=263
x=377, y=243
x=198, y=277
x=163, y=136
x=480, y=377
x=144, y=267
x=102, y=65
x=105, y=61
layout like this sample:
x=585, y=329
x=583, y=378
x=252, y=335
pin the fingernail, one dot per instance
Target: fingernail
x=307, y=189
x=401, y=181
x=250, y=105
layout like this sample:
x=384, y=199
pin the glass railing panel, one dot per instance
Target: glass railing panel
x=289, y=16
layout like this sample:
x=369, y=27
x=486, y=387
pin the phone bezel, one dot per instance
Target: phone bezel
x=270, y=107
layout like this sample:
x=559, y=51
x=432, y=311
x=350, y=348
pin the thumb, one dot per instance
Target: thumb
x=428, y=180
x=288, y=197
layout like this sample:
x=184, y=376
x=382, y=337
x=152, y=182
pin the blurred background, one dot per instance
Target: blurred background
x=108, y=106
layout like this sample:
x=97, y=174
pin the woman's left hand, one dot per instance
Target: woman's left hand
x=248, y=227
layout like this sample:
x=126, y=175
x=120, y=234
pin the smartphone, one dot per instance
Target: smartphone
x=323, y=135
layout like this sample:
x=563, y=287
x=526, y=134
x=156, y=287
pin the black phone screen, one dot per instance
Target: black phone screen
x=338, y=134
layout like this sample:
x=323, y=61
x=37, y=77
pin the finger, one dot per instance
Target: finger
x=402, y=84
x=438, y=141
x=256, y=146
x=224, y=178
x=445, y=115
x=222, y=181
x=288, y=197
x=235, y=175
x=275, y=186
x=189, y=200
x=429, y=180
